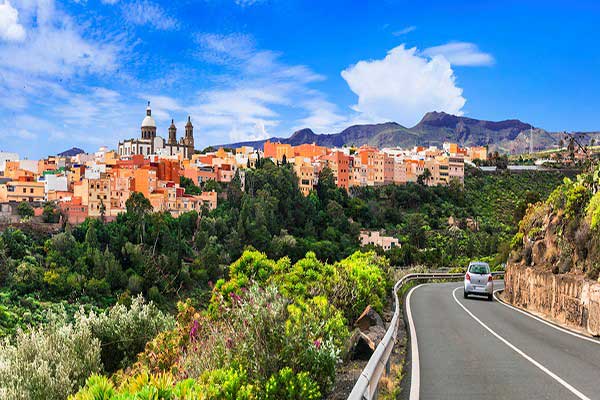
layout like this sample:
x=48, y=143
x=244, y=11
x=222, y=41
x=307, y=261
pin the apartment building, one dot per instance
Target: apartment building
x=307, y=174
x=22, y=189
x=339, y=163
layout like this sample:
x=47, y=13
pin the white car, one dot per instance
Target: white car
x=479, y=280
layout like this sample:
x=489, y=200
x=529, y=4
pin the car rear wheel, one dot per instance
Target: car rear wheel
x=465, y=294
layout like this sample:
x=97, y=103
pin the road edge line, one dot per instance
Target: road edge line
x=415, y=371
x=521, y=353
x=550, y=324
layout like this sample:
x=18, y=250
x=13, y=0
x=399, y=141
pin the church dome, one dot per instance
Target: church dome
x=148, y=121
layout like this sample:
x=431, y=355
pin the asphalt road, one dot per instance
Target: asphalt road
x=485, y=350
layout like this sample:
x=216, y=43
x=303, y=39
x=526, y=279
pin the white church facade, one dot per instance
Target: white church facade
x=150, y=144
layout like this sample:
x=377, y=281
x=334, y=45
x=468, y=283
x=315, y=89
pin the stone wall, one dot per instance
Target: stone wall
x=566, y=299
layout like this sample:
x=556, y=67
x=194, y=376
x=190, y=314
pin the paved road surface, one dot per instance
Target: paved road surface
x=513, y=357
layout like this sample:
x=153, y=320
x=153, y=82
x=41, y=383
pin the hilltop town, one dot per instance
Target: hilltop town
x=99, y=184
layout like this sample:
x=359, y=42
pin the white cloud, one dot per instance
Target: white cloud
x=403, y=86
x=247, y=3
x=256, y=92
x=461, y=54
x=25, y=134
x=146, y=13
x=10, y=29
x=323, y=117
x=110, y=1
x=55, y=46
x=404, y=31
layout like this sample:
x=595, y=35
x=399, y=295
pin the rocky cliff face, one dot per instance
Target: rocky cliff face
x=567, y=299
x=554, y=267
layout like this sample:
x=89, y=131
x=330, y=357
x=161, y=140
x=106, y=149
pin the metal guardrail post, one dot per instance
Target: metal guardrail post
x=366, y=385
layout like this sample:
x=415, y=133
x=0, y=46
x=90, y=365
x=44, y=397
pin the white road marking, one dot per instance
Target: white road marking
x=543, y=321
x=521, y=353
x=415, y=372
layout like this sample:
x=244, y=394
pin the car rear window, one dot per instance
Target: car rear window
x=480, y=269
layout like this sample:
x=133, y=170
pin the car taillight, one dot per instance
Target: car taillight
x=468, y=277
x=490, y=278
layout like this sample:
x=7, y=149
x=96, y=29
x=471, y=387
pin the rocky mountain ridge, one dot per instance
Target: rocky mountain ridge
x=435, y=128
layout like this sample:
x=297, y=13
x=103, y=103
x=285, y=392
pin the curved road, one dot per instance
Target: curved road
x=476, y=349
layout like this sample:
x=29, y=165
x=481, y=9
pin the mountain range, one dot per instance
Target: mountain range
x=435, y=128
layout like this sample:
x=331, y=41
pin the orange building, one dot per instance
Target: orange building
x=167, y=170
x=14, y=171
x=74, y=211
x=277, y=151
x=339, y=163
x=310, y=150
x=145, y=180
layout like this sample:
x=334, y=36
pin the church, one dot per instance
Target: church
x=149, y=143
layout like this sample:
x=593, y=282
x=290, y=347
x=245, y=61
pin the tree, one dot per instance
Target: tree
x=90, y=237
x=102, y=211
x=326, y=186
x=50, y=214
x=211, y=185
x=424, y=178
x=189, y=186
x=138, y=207
x=24, y=210
x=137, y=204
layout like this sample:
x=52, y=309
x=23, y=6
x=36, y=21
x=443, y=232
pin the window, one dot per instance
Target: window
x=480, y=268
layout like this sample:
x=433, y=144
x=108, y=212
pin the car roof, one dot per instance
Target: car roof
x=478, y=263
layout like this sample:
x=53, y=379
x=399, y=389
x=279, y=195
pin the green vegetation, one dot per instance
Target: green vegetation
x=265, y=334
x=266, y=286
x=562, y=233
x=25, y=210
x=486, y=214
x=54, y=360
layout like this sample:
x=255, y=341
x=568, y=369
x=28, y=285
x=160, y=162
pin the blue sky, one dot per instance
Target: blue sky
x=79, y=73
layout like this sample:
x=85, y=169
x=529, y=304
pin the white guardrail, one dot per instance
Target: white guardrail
x=368, y=382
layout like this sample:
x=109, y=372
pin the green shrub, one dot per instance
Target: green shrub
x=285, y=385
x=517, y=241
x=49, y=362
x=315, y=334
x=593, y=211
x=24, y=209
x=221, y=384
x=577, y=196
x=123, y=331
x=367, y=277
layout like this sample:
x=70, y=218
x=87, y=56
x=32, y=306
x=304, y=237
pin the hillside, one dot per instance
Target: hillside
x=562, y=234
x=435, y=128
x=554, y=266
x=71, y=152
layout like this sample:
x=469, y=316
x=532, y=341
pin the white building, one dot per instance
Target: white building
x=150, y=144
x=4, y=157
x=56, y=183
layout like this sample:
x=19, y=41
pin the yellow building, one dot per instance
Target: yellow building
x=306, y=173
x=22, y=190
